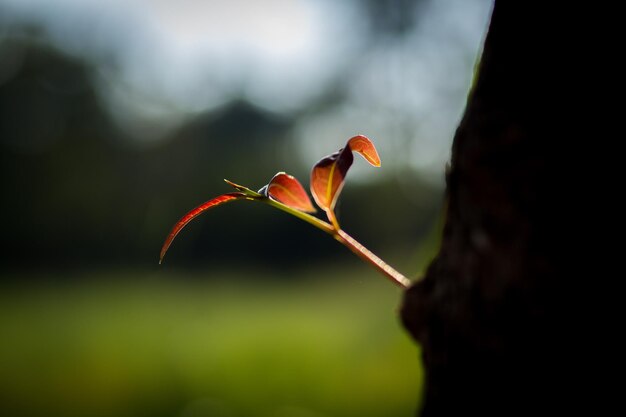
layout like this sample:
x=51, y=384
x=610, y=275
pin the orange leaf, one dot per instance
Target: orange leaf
x=365, y=147
x=328, y=175
x=286, y=189
x=195, y=213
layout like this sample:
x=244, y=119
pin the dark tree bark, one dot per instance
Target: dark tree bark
x=493, y=314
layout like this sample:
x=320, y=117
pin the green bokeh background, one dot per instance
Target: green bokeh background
x=245, y=343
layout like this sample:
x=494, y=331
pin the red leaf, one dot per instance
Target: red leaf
x=328, y=175
x=195, y=213
x=287, y=189
x=365, y=147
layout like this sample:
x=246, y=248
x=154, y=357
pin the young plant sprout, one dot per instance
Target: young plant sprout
x=287, y=194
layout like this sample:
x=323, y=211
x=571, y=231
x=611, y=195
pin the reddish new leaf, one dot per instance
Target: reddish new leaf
x=365, y=147
x=328, y=175
x=287, y=189
x=195, y=213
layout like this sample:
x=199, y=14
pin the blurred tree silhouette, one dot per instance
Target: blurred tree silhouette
x=79, y=191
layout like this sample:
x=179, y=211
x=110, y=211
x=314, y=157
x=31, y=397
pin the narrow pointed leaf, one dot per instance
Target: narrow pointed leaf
x=195, y=213
x=287, y=189
x=365, y=147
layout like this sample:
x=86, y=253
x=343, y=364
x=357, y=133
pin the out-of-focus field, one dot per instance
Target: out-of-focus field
x=243, y=343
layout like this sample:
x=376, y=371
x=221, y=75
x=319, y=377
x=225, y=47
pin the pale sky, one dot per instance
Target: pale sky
x=166, y=60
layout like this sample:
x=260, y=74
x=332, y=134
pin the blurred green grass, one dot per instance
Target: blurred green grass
x=225, y=343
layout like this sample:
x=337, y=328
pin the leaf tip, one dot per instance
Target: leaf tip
x=364, y=146
x=224, y=198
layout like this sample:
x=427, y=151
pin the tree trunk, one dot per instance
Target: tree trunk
x=492, y=312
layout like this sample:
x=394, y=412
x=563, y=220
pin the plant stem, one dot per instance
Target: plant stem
x=320, y=224
x=369, y=257
x=333, y=219
x=346, y=240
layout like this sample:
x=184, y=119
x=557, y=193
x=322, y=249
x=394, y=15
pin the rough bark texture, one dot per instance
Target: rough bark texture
x=492, y=314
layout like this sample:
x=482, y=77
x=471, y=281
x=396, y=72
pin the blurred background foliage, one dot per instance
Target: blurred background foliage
x=117, y=117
